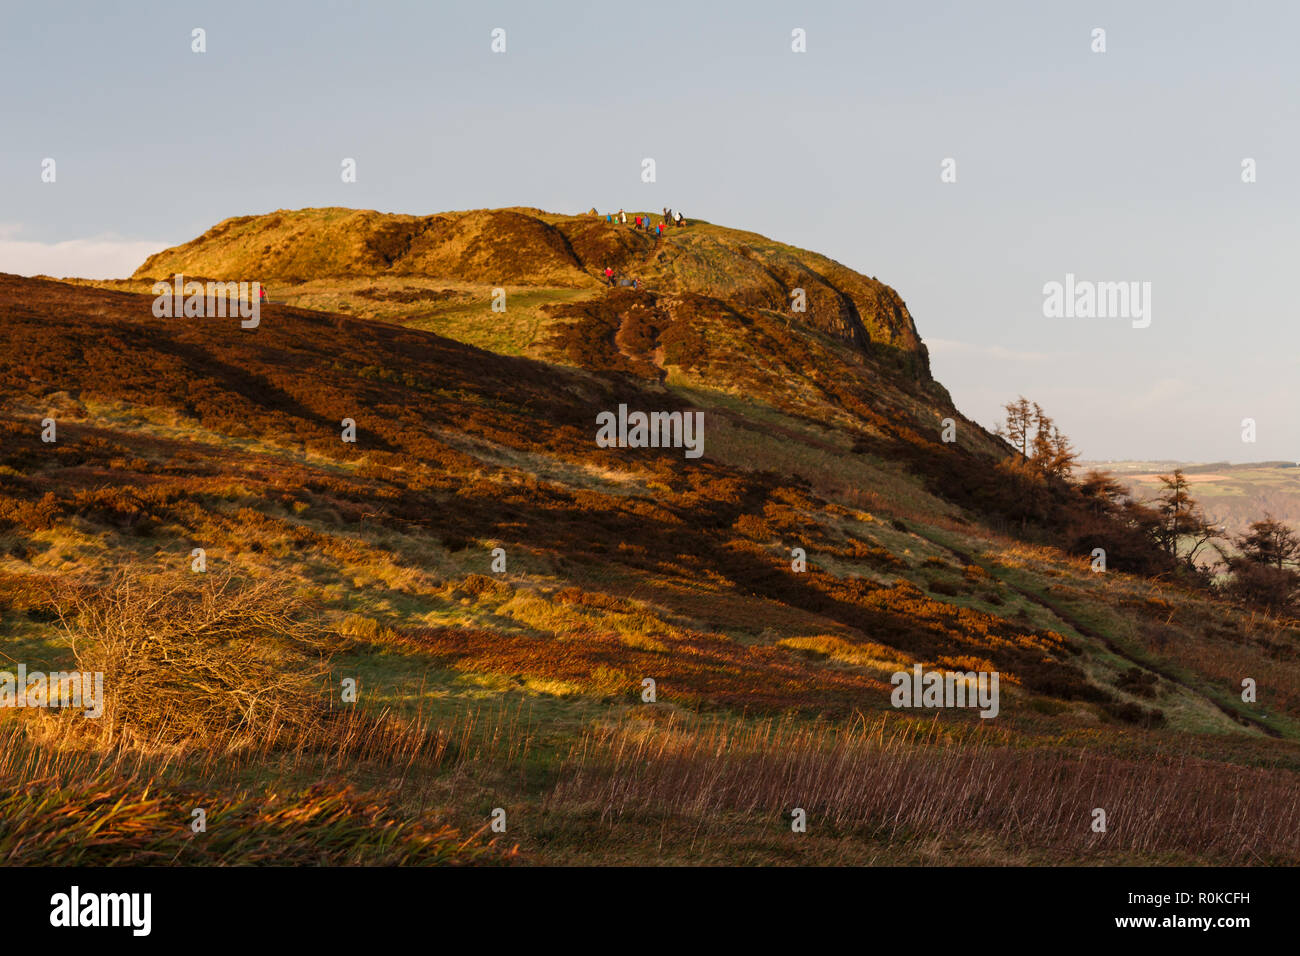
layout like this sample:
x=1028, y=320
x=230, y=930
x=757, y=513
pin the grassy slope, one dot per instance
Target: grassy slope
x=626, y=565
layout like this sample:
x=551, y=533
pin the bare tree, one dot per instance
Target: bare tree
x=1018, y=425
x=1031, y=432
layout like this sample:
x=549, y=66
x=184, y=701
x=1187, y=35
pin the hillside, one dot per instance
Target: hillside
x=378, y=265
x=523, y=687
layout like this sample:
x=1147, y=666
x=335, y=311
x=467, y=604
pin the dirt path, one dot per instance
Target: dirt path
x=654, y=358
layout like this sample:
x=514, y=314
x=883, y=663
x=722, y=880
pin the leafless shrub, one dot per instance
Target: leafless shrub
x=189, y=657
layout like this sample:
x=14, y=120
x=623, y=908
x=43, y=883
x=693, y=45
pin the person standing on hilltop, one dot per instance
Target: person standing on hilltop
x=262, y=299
x=622, y=216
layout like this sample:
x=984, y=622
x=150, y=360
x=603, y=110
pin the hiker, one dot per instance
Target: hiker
x=636, y=283
x=659, y=230
x=609, y=275
x=681, y=220
x=608, y=218
x=622, y=217
x=261, y=289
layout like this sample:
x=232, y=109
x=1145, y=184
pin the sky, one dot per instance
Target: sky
x=1117, y=166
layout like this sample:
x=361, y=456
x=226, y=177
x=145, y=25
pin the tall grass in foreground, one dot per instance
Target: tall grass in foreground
x=101, y=818
x=65, y=803
x=886, y=786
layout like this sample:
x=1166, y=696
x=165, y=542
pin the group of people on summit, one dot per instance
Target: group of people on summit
x=670, y=218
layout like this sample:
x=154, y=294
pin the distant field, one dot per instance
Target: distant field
x=1234, y=495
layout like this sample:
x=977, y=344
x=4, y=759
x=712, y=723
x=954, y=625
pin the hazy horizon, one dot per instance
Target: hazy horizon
x=1112, y=167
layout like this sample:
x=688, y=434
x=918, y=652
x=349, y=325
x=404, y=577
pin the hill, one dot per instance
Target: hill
x=378, y=265
x=522, y=685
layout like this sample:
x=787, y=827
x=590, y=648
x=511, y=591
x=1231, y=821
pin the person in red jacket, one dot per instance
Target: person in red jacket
x=609, y=275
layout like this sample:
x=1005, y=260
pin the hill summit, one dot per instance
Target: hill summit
x=554, y=258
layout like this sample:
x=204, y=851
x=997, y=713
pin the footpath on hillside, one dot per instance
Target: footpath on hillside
x=640, y=222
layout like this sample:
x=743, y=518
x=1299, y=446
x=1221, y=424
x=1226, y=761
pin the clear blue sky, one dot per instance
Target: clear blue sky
x=1124, y=165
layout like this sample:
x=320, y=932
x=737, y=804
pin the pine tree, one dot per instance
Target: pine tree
x=1270, y=542
x=1181, y=520
x=1266, y=571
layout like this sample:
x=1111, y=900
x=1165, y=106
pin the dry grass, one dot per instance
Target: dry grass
x=65, y=807
x=884, y=783
x=339, y=790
